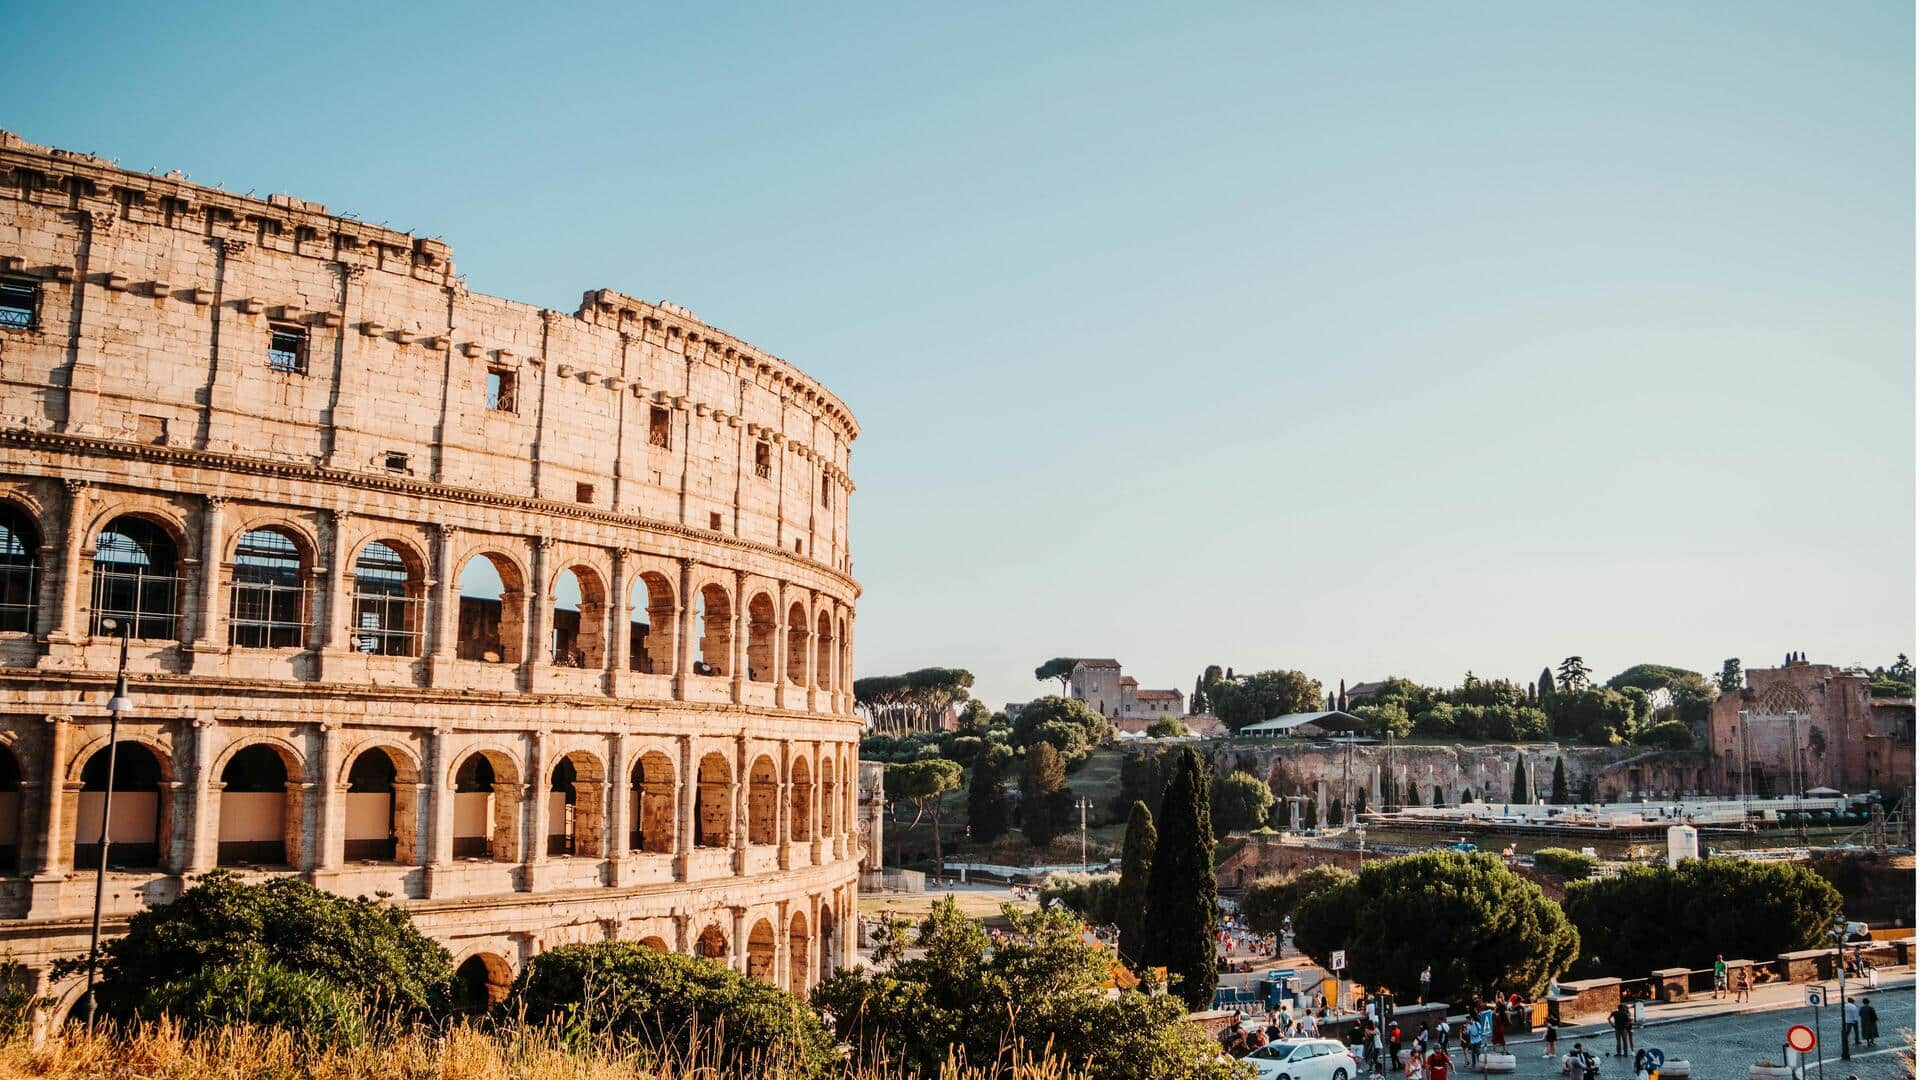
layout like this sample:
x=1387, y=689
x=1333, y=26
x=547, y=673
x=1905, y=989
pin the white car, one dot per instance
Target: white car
x=1303, y=1059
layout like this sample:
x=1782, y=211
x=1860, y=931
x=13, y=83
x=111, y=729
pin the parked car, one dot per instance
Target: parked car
x=1303, y=1059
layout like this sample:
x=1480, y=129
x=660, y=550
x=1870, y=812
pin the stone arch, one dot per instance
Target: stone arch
x=137, y=579
x=487, y=794
x=762, y=627
x=713, y=802
x=9, y=808
x=799, y=953
x=142, y=821
x=20, y=570
x=577, y=806
x=763, y=951
x=653, y=811
x=823, y=652
x=382, y=783
x=712, y=944
x=656, y=943
x=267, y=575
x=578, y=632
x=651, y=622
x=481, y=981
x=715, y=609
x=262, y=804
x=493, y=617
x=763, y=801
x=797, y=638
x=389, y=597
x=800, y=799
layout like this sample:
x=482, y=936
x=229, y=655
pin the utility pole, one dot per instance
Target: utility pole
x=116, y=705
x=1840, y=968
x=1083, y=834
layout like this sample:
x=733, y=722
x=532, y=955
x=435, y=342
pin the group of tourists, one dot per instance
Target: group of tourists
x=1742, y=980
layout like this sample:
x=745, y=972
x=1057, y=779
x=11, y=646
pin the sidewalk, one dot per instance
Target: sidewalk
x=1765, y=998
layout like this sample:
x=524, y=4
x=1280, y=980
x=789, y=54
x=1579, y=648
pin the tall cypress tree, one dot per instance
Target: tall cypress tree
x=987, y=793
x=1042, y=793
x=1136, y=877
x=1546, y=683
x=1183, y=914
x=1559, y=781
x=1520, y=796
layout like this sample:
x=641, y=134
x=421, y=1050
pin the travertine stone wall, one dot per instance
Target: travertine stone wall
x=687, y=480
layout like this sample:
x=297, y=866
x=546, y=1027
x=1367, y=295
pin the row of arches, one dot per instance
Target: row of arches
x=257, y=795
x=142, y=580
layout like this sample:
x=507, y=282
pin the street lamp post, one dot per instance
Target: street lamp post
x=119, y=703
x=1084, y=803
x=1840, y=969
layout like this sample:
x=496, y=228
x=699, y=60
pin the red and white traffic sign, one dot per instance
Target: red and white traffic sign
x=1801, y=1037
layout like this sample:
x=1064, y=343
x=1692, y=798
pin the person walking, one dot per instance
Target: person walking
x=1393, y=1044
x=1553, y=1036
x=1719, y=976
x=1851, y=1010
x=1869, y=1022
x=1743, y=988
x=1439, y=1065
x=1443, y=1032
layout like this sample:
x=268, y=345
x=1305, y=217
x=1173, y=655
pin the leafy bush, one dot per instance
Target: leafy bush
x=1069, y=724
x=1239, y=802
x=1269, y=900
x=367, y=949
x=1652, y=917
x=1668, y=735
x=1040, y=988
x=1166, y=728
x=259, y=993
x=1565, y=864
x=672, y=1002
x=1481, y=926
x=1091, y=896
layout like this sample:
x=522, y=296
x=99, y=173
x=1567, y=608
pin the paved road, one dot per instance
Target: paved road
x=1721, y=1047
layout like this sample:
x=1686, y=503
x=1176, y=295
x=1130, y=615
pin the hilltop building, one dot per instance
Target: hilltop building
x=1802, y=726
x=1113, y=694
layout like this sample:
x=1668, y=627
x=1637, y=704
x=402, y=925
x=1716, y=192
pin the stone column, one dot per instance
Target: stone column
x=783, y=947
x=439, y=784
x=203, y=821
x=737, y=647
x=684, y=645
x=328, y=834
x=849, y=803
x=816, y=826
x=66, y=628
x=740, y=940
x=740, y=785
x=537, y=652
x=619, y=807
x=689, y=777
x=538, y=781
x=56, y=856
x=780, y=645
x=337, y=608
x=783, y=810
x=212, y=545
x=619, y=624
x=813, y=650
x=444, y=610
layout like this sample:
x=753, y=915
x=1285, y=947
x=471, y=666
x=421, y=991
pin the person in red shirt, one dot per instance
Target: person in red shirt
x=1439, y=1065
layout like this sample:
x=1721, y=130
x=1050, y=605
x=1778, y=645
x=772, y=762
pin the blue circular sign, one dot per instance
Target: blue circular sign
x=1656, y=1057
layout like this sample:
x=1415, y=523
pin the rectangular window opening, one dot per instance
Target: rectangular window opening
x=583, y=493
x=396, y=462
x=763, y=460
x=501, y=385
x=19, y=304
x=660, y=427
x=287, y=350
x=826, y=489
x=713, y=521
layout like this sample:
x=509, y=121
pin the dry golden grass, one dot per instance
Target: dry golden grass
x=163, y=1052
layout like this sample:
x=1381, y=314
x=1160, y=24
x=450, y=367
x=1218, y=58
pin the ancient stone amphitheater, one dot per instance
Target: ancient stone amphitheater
x=538, y=622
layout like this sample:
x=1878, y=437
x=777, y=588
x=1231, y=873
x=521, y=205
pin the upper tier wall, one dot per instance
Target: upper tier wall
x=157, y=301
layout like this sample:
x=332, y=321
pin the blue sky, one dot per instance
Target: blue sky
x=1361, y=339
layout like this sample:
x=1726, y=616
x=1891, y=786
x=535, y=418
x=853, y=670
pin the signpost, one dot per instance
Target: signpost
x=1338, y=964
x=1802, y=1039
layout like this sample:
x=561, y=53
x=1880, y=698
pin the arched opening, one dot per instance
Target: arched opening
x=135, y=582
x=799, y=954
x=577, y=806
x=829, y=800
x=656, y=943
x=797, y=645
x=387, y=587
x=579, y=634
x=712, y=943
x=138, y=812
x=829, y=940
x=19, y=568
x=492, y=615
x=652, y=810
x=760, y=627
x=800, y=807
x=823, y=652
x=481, y=982
x=716, y=631
x=9, y=810
x=763, y=802
x=650, y=631
x=761, y=951
x=259, y=810
x=486, y=808
x=382, y=803
x=268, y=597
x=713, y=803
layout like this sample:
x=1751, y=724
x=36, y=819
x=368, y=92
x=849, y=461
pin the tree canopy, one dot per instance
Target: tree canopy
x=1044, y=796
x=1263, y=696
x=1240, y=802
x=1040, y=987
x=1478, y=923
x=1651, y=917
x=1136, y=874
x=1060, y=667
x=1270, y=899
x=1182, y=895
x=915, y=701
x=1068, y=724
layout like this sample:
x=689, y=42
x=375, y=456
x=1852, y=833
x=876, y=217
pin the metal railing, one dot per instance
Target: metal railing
x=386, y=624
x=267, y=616
x=18, y=596
x=148, y=604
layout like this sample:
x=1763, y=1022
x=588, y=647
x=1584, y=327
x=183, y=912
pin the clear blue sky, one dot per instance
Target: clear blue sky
x=1354, y=338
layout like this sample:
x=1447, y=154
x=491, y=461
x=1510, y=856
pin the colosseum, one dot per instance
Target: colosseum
x=539, y=623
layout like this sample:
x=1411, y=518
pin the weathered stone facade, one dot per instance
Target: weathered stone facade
x=1803, y=725
x=273, y=444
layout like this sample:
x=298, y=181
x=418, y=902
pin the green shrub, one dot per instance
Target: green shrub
x=1091, y=896
x=1667, y=735
x=1652, y=917
x=1565, y=864
x=676, y=1003
x=1269, y=900
x=367, y=949
x=260, y=993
